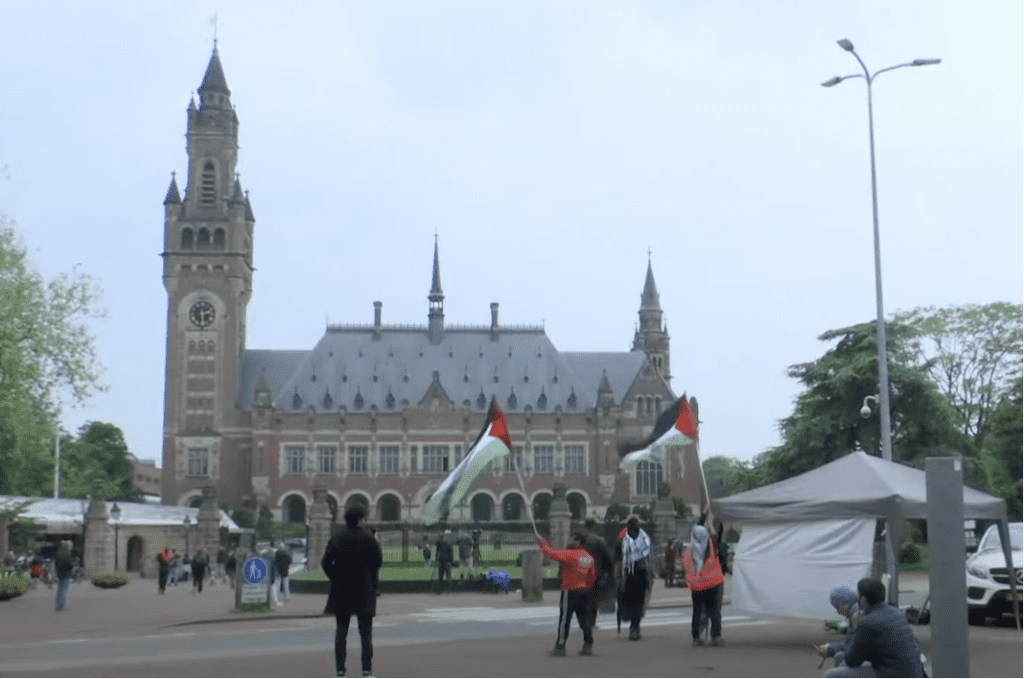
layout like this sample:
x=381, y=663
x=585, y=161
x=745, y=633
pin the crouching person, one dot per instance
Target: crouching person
x=579, y=574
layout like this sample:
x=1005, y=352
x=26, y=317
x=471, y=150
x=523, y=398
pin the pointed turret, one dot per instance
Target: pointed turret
x=649, y=299
x=172, y=197
x=435, y=324
x=248, y=209
x=214, y=92
x=651, y=336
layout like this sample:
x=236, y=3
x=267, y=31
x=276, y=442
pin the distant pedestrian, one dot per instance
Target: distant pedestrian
x=231, y=565
x=445, y=556
x=635, y=555
x=64, y=567
x=352, y=561
x=477, y=557
x=426, y=555
x=222, y=557
x=579, y=574
x=283, y=563
x=705, y=579
x=172, y=578
x=163, y=569
x=199, y=564
x=465, y=556
x=670, y=563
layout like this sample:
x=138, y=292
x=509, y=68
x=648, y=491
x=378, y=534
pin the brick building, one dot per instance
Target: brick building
x=376, y=410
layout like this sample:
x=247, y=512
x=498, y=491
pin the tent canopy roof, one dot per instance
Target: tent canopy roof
x=856, y=485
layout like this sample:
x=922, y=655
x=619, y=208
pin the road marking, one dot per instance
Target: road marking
x=66, y=641
x=168, y=636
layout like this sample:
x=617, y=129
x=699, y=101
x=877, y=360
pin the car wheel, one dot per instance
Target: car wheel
x=976, y=616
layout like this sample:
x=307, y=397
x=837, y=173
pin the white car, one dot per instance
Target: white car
x=988, y=587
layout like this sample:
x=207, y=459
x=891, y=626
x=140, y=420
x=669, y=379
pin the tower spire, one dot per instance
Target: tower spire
x=435, y=325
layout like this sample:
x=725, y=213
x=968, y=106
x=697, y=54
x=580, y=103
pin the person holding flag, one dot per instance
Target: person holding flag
x=492, y=443
x=579, y=573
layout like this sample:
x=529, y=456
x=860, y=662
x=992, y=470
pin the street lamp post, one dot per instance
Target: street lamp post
x=883, y=367
x=187, y=524
x=115, y=514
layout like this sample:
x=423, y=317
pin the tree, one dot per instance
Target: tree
x=972, y=353
x=738, y=475
x=96, y=463
x=1001, y=453
x=45, y=348
x=826, y=422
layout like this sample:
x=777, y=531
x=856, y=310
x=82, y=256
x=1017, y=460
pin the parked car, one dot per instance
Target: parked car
x=988, y=584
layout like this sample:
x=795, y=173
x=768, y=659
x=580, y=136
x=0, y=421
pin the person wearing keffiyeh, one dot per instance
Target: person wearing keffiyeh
x=635, y=554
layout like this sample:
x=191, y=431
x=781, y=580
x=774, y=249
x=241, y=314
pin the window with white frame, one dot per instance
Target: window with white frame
x=388, y=459
x=358, y=457
x=543, y=459
x=575, y=462
x=510, y=463
x=294, y=459
x=649, y=476
x=325, y=459
x=435, y=459
x=198, y=462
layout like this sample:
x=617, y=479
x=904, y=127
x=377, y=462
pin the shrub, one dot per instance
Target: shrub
x=910, y=553
x=111, y=579
x=12, y=585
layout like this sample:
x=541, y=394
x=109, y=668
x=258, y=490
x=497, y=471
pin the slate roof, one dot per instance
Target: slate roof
x=64, y=515
x=360, y=367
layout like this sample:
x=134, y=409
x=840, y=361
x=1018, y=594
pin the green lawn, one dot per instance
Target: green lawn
x=415, y=573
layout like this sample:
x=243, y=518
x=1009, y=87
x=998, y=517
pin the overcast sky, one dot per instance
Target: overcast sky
x=549, y=144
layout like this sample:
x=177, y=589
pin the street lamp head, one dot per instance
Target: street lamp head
x=833, y=82
x=845, y=44
x=925, y=62
x=115, y=512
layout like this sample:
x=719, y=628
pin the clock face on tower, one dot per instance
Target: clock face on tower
x=201, y=314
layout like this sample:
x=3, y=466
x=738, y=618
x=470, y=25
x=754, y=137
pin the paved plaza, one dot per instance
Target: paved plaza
x=189, y=634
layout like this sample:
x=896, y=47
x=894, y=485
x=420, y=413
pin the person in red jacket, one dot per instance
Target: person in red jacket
x=579, y=573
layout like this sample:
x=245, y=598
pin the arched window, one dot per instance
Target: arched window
x=649, y=476
x=187, y=238
x=294, y=509
x=542, y=507
x=512, y=507
x=650, y=406
x=196, y=501
x=577, y=505
x=218, y=239
x=203, y=240
x=482, y=507
x=639, y=405
x=389, y=508
x=208, y=186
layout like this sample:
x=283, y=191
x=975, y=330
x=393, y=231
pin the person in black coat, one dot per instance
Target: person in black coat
x=352, y=561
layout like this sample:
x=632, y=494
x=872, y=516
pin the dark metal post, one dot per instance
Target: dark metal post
x=947, y=587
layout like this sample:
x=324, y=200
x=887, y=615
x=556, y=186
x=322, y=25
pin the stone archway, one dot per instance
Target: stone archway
x=513, y=507
x=577, y=505
x=482, y=507
x=389, y=508
x=134, y=556
x=294, y=509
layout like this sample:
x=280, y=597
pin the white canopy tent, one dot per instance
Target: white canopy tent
x=816, y=529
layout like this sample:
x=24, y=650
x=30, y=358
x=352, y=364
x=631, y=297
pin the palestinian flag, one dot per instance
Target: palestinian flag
x=493, y=442
x=675, y=427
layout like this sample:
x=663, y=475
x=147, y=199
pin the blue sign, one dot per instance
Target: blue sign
x=255, y=570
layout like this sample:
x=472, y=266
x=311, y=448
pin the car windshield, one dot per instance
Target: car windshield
x=992, y=540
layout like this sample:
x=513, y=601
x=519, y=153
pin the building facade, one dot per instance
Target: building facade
x=375, y=411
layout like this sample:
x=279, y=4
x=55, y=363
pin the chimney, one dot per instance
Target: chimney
x=494, y=321
x=376, y=318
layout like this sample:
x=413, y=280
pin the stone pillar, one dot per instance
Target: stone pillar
x=560, y=517
x=533, y=575
x=319, y=528
x=4, y=536
x=99, y=539
x=208, y=538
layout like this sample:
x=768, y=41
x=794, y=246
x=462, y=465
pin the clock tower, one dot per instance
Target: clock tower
x=208, y=239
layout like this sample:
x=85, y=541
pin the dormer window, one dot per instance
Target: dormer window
x=208, y=186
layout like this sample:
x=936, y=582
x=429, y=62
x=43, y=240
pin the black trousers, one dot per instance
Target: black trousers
x=161, y=581
x=581, y=603
x=710, y=602
x=341, y=638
